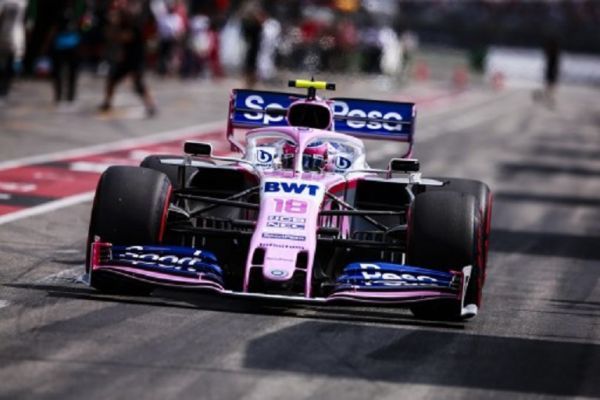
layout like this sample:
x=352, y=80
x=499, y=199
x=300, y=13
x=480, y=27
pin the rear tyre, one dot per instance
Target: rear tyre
x=130, y=207
x=443, y=233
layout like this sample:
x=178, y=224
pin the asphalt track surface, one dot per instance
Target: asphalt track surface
x=538, y=334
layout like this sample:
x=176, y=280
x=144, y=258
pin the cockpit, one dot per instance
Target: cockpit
x=281, y=151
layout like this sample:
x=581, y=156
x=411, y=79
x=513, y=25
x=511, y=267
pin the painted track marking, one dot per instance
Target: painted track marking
x=39, y=184
x=173, y=134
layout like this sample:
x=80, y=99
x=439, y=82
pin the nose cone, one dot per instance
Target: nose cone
x=279, y=264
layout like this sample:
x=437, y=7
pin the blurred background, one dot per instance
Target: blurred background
x=263, y=42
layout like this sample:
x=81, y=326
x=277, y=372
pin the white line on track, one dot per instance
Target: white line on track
x=47, y=207
x=3, y=303
x=99, y=148
x=84, y=151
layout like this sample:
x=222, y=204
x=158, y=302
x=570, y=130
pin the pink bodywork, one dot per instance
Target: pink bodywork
x=283, y=245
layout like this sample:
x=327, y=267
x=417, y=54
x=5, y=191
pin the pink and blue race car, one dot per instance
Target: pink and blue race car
x=299, y=216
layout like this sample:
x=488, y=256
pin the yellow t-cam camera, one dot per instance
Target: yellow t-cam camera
x=306, y=84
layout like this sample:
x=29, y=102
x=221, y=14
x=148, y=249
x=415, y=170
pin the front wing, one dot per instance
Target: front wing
x=190, y=268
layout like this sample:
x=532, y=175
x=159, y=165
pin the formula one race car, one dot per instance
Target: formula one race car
x=299, y=216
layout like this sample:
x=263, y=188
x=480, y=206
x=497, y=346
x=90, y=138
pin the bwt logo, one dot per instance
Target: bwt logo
x=342, y=109
x=291, y=187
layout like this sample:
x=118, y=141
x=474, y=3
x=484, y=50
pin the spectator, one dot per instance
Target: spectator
x=202, y=49
x=270, y=38
x=370, y=49
x=214, y=55
x=252, y=21
x=64, y=41
x=12, y=41
x=197, y=46
x=551, y=72
x=125, y=30
x=552, y=54
x=346, y=40
x=171, y=30
x=391, y=52
x=410, y=45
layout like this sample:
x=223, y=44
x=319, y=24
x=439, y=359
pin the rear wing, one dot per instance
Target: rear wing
x=374, y=119
x=367, y=119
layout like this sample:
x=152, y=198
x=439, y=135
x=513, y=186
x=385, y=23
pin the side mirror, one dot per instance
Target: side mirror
x=197, y=149
x=404, y=165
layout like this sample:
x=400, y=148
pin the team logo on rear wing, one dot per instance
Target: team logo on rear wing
x=374, y=118
x=255, y=108
x=357, y=117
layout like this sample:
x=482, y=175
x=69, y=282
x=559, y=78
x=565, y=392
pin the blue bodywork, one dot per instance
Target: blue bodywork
x=357, y=117
x=175, y=260
x=385, y=276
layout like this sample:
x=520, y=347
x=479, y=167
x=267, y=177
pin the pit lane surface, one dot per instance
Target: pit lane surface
x=538, y=334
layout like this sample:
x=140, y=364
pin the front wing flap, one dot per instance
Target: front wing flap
x=386, y=282
x=187, y=267
x=167, y=265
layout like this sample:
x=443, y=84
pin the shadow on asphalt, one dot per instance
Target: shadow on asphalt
x=577, y=305
x=553, y=199
x=194, y=300
x=510, y=169
x=342, y=343
x=570, y=154
x=429, y=357
x=545, y=244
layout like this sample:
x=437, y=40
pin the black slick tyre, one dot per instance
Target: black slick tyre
x=170, y=170
x=444, y=230
x=484, y=199
x=130, y=208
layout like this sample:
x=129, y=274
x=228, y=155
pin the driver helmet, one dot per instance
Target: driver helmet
x=314, y=157
x=288, y=153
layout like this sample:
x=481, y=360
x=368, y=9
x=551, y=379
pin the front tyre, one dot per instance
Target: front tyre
x=130, y=208
x=483, y=195
x=444, y=230
x=156, y=163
